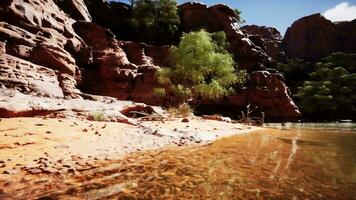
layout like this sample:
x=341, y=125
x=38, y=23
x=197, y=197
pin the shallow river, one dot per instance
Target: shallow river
x=268, y=164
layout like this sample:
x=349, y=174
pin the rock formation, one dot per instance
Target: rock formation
x=125, y=70
x=52, y=49
x=268, y=38
x=264, y=89
x=314, y=37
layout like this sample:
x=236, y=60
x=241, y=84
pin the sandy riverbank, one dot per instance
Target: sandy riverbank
x=37, y=145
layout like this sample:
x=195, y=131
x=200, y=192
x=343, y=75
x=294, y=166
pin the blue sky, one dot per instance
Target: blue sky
x=282, y=13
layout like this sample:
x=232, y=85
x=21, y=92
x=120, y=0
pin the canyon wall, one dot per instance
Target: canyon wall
x=53, y=48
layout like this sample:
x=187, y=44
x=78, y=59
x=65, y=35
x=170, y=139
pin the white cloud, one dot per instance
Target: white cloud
x=342, y=12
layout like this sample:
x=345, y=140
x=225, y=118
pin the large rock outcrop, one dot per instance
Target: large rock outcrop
x=314, y=37
x=268, y=38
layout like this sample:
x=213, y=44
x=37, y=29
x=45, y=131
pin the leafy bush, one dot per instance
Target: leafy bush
x=200, y=68
x=183, y=110
x=159, y=92
x=98, y=116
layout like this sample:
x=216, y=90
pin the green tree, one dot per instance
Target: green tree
x=330, y=92
x=238, y=16
x=156, y=20
x=199, y=69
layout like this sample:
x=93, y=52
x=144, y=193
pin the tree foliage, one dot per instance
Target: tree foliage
x=200, y=68
x=330, y=91
x=238, y=14
x=154, y=18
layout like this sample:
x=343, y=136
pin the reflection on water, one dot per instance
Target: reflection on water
x=268, y=164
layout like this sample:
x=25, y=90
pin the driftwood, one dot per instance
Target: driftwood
x=246, y=119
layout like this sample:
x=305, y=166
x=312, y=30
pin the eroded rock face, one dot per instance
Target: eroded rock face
x=36, y=36
x=26, y=77
x=314, y=37
x=271, y=40
x=196, y=16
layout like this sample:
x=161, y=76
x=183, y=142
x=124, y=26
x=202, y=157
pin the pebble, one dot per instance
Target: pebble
x=49, y=170
x=34, y=170
x=185, y=120
x=10, y=171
